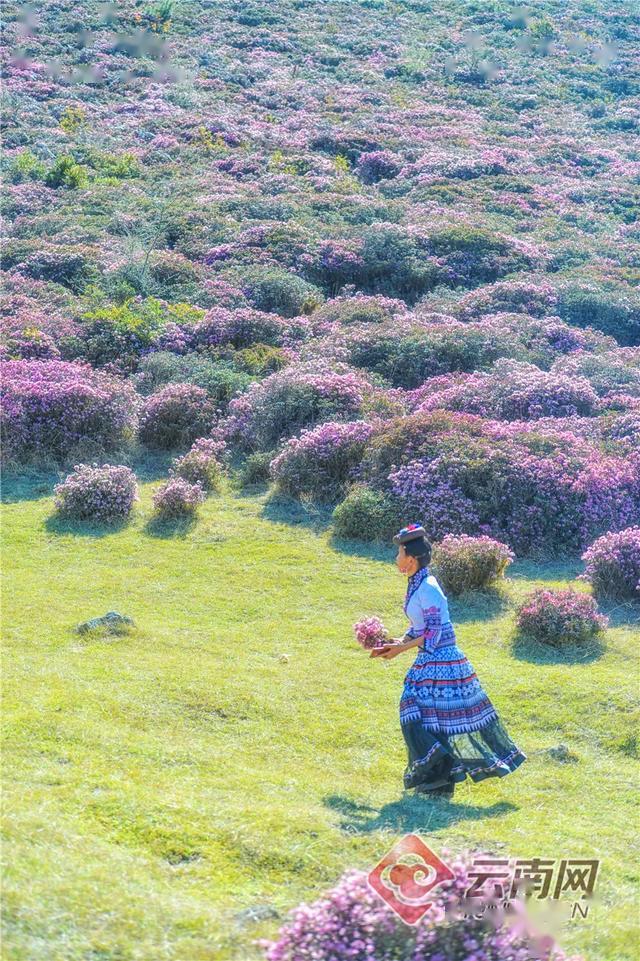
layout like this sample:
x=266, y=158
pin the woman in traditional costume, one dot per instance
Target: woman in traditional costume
x=450, y=727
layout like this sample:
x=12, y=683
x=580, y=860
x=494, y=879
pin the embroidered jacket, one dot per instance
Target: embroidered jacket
x=427, y=608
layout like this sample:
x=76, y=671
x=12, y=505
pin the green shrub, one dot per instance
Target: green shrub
x=218, y=378
x=261, y=359
x=255, y=469
x=613, y=312
x=367, y=515
x=280, y=292
x=66, y=173
x=71, y=267
x=26, y=166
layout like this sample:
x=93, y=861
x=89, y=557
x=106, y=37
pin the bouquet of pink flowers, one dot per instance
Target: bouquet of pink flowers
x=371, y=633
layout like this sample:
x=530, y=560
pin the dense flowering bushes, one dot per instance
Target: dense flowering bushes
x=93, y=493
x=516, y=391
x=613, y=564
x=51, y=407
x=299, y=396
x=560, y=618
x=469, y=563
x=241, y=328
x=175, y=416
x=521, y=296
x=177, y=499
x=351, y=921
x=539, y=488
x=201, y=464
x=377, y=165
x=612, y=372
x=218, y=378
x=320, y=461
x=408, y=350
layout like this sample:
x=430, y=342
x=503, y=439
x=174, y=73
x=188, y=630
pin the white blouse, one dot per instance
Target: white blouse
x=428, y=611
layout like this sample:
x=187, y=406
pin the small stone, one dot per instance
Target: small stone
x=284, y=658
x=255, y=913
x=112, y=622
x=562, y=753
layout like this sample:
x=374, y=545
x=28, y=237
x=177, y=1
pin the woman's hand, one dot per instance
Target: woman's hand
x=389, y=650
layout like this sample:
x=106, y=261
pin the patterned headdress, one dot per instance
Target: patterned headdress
x=409, y=533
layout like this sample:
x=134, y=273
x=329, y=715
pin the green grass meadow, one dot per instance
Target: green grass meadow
x=168, y=791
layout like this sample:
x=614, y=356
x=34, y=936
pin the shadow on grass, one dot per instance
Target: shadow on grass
x=526, y=649
x=410, y=814
x=61, y=526
x=17, y=487
x=621, y=613
x=478, y=605
x=546, y=569
x=285, y=510
x=372, y=550
x=168, y=528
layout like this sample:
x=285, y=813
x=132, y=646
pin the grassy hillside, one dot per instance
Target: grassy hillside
x=236, y=752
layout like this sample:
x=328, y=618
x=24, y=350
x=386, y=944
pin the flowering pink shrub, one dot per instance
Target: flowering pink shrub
x=201, y=464
x=299, y=396
x=176, y=415
x=177, y=498
x=535, y=299
x=241, y=328
x=95, y=493
x=516, y=391
x=370, y=633
x=465, y=563
x=351, y=921
x=320, y=461
x=377, y=165
x=613, y=564
x=50, y=407
x=560, y=618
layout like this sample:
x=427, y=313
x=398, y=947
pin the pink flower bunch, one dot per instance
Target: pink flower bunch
x=351, y=921
x=177, y=498
x=50, y=407
x=95, y=493
x=462, y=563
x=560, y=618
x=612, y=564
x=320, y=461
x=371, y=633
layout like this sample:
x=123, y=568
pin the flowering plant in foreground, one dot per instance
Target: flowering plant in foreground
x=560, y=618
x=613, y=564
x=351, y=921
x=200, y=465
x=466, y=563
x=371, y=633
x=104, y=493
x=177, y=498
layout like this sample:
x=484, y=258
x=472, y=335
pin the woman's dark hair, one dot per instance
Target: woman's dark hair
x=419, y=548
